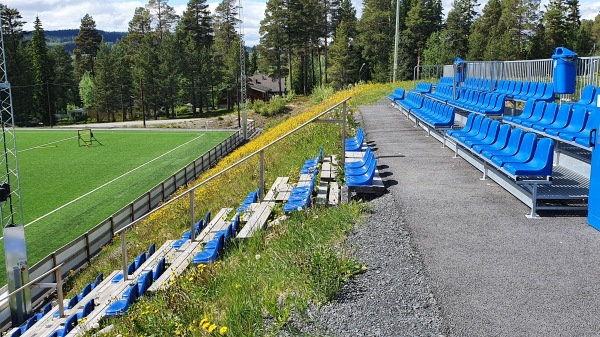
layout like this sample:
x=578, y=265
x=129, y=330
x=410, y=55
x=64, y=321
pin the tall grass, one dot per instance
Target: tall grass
x=261, y=281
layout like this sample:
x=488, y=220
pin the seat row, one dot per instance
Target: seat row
x=213, y=248
x=361, y=172
x=589, y=97
x=87, y=308
x=300, y=196
x=480, y=84
x=522, y=91
x=486, y=103
x=398, y=94
x=135, y=264
x=412, y=101
x=435, y=114
x=355, y=143
x=445, y=82
x=250, y=199
x=442, y=93
x=423, y=87
x=136, y=290
x=513, y=151
x=186, y=236
x=568, y=123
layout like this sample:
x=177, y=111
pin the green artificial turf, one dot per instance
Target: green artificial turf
x=55, y=170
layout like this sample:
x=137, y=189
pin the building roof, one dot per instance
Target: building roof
x=265, y=83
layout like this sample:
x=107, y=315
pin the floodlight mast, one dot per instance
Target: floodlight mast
x=11, y=207
x=243, y=81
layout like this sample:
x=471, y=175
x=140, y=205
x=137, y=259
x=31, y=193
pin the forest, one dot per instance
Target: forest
x=168, y=63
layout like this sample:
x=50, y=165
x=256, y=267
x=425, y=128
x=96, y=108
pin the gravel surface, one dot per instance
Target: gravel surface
x=449, y=254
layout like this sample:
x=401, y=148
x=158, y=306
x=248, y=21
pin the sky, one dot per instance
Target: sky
x=114, y=15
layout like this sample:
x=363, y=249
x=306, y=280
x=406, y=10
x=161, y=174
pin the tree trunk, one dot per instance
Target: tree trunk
x=279, y=71
x=291, y=84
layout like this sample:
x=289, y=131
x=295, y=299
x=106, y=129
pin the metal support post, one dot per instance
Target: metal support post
x=192, y=217
x=262, y=176
x=533, y=214
x=59, y=292
x=344, y=122
x=124, y=255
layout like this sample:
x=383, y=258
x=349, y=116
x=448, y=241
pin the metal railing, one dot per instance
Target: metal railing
x=588, y=72
x=83, y=249
x=92, y=243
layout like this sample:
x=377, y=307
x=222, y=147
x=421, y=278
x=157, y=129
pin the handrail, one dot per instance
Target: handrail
x=31, y=282
x=193, y=188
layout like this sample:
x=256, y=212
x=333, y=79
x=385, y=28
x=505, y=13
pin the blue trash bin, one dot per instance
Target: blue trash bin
x=564, y=63
x=460, y=70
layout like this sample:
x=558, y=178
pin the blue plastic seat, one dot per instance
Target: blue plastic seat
x=179, y=243
x=592, y=122
x=98, y=280
x=70, y=323
x=16, y=333
x=86, y=290
x=523, y=154
x=587, y=95
x=130, y=270
x=356, y=171
x=466, y=128
x=398, y=94
x=87, y=309
x=494, y=143
x=210, y=252
x=538, y=112
x=526, y=113
x=539, y=92
x=365, y=179
x=488, y=138
x=512, y=146
x=360, y=162
x=562, y=119
x=539, y=165
x=47, y=308
x=139, y=260
x=120, y=307
x=159, y=269
x=70, y=305
x=547, y=117
x=474, y=127
x=477, y=134
x=151, y=249
x=576, y=123
x=30, y=322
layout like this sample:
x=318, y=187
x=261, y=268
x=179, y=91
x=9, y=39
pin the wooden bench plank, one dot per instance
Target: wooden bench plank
x=334, y=194
x=284, y=192
x=248, y=212
x=180, y=262
x=270, y=196
x=216, y=222
x=322, y=193
x=257, y=220
x=304, y=180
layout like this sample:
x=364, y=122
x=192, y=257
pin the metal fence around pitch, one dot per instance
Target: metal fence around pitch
x=588, y=72
x=83, y=249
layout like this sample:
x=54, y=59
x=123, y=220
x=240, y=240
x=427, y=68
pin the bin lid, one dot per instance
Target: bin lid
x=561, y=52
x=459, y=60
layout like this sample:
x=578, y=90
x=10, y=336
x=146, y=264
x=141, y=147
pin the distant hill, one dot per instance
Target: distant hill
x=66, y=37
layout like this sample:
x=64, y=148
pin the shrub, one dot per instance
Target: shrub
x=321, y=93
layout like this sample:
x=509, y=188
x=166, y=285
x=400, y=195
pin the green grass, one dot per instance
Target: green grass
x=261, y=283
x=55, y=174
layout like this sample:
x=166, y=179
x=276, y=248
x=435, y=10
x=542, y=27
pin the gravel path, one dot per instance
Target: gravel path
x=449, y=254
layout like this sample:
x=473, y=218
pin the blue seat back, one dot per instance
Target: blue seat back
x=592, y=122
x=493, y=130
x=70, y=323
x=527, y=147
x=587, y=95
x=516, y=135
x=207, y=218
x=538, y=111
x=87, y=308
x=541, y=88
x=144, y=282
x=532, y=89
x=72, y=302
x=159, y=270
x=543, y=157
x=99, y=278
x=86, y=290
x=151, y=249
x=131, y=268
x=578, y=118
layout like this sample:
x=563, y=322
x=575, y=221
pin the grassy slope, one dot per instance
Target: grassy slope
x=254, y=289
x=56, y=174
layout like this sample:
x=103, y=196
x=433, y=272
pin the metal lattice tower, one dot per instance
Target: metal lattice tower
x=11, y=210
x=243, y=80
x=11, y=207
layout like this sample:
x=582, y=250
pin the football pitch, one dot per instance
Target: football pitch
x=66, y=189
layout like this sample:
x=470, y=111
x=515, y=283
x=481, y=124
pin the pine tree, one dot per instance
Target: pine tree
x=437, y=51
x=483, y=31
x=87, y=44
x=273, y=40
x=162, y=16
x=64, y=82
x=226, y=48
x=458, y=27
x=344, y=56
x=105, y=90
x=596, y=34
x=42, y=74
x=376, y=37
x=195, y=31
x=585, y=42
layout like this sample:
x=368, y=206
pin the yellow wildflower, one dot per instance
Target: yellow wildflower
x=223, y=330
x=205, y=325
x=212, y=328
x=177, y=332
